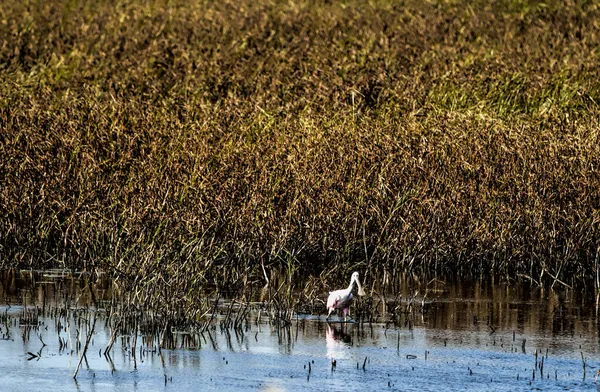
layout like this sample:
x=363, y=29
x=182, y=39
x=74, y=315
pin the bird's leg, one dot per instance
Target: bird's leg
x=346, y=314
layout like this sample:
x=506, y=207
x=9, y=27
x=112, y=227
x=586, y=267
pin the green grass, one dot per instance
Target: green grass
x=202, y=142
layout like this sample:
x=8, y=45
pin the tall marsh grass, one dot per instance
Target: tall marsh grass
x=180, y=144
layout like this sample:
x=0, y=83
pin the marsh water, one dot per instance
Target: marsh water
x=467, y=336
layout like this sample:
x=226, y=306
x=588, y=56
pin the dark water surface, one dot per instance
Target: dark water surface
x=469, y=337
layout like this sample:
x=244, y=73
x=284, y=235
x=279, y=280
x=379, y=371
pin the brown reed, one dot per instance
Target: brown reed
x=184, y=146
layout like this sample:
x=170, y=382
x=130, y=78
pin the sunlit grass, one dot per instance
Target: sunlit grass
x=205, y=142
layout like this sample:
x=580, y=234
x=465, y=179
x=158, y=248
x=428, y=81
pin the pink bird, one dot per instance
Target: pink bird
x=341, y=299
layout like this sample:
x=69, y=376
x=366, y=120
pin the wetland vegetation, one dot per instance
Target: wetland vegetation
x=186, y=146
x=58, y=331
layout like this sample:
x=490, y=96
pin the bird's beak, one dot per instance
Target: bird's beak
x=361, y=292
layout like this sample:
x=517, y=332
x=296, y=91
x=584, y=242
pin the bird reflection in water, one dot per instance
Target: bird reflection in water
x=338, y=341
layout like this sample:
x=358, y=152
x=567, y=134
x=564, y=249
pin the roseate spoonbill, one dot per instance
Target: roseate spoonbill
x=341, y=299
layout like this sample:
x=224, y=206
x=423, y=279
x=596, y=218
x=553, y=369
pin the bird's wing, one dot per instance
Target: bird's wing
x=333, y=299
x=345, y=300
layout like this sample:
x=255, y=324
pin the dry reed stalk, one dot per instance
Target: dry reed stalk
x=89, y=334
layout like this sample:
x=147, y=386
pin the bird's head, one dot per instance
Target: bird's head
x=355, y=278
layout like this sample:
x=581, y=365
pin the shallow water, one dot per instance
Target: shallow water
x=469, y=337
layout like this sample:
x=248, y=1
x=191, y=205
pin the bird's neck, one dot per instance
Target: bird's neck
x=351, y=286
